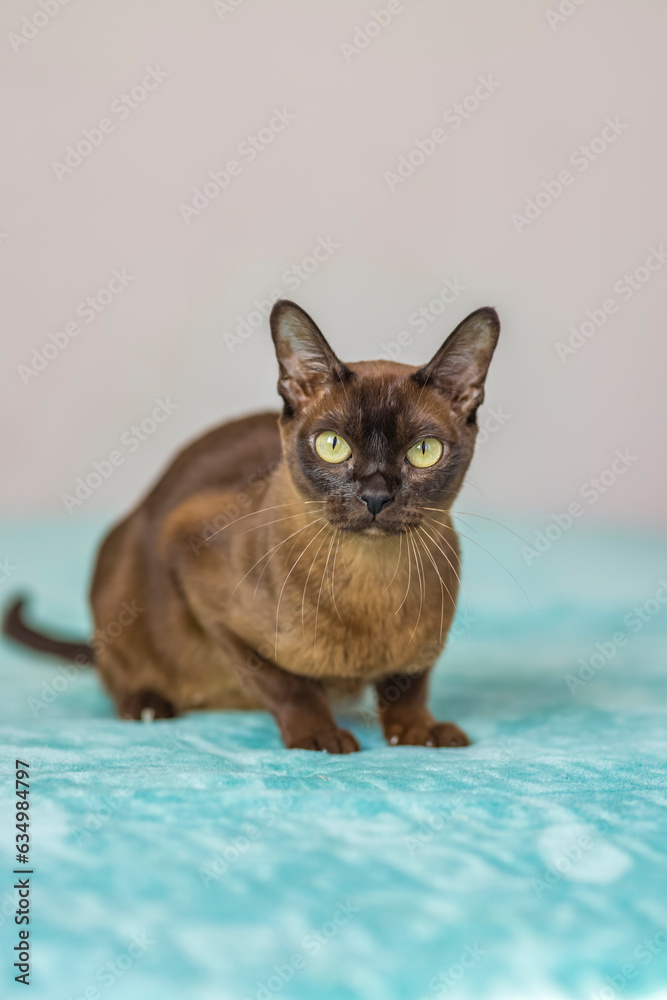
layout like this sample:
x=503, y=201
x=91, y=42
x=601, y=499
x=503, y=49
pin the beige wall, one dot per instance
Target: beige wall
x=218, y=72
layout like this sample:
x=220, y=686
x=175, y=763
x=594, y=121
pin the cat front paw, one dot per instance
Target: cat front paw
x=420, y=734
x=332, y=740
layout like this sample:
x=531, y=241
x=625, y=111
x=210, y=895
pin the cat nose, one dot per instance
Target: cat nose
x=376, y=500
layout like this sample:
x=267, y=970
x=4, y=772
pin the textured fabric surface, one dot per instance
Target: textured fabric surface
x=197, y=859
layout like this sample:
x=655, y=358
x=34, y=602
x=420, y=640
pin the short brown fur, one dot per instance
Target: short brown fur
x=262, y=578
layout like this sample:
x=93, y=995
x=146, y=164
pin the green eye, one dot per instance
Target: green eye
x=425, y=453
x=332, y=447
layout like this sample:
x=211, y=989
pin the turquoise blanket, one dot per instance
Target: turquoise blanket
x=196, y=858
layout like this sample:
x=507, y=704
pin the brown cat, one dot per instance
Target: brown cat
x=285, y=559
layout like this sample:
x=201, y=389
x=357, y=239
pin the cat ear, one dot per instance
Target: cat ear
x=459, y=368
x=306, y=361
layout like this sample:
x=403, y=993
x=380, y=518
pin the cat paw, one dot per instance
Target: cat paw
x=434, y=734
x=333, y=741
x=145, y=705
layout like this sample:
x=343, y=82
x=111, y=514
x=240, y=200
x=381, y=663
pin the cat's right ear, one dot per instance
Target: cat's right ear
x=306, y=361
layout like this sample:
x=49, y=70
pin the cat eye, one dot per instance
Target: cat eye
x=425, y=453
x=332, y=447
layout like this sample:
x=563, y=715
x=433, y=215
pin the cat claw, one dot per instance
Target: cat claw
x=437, y=734
x=335, y=741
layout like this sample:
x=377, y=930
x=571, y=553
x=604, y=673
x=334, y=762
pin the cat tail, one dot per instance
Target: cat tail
x=15, y=627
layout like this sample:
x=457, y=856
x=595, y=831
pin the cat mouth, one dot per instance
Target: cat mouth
x=384, y=531
x=376, y=528
x=358, y=521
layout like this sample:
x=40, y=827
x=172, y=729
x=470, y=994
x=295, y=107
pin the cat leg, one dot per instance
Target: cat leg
x=300, y=707
x=404, y=714
x=145, y=705
x=136, y=693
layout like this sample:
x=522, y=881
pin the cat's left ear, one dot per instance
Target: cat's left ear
x=306, y=361
x=459, y=368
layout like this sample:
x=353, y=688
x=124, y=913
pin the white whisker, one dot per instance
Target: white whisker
x=271, y=550
x=407, y=589
x=400, y=549
x=302, y=553
x=420, y=571
x=442, y=583
x=253, y=513
x=305, y=587
x=319, y=596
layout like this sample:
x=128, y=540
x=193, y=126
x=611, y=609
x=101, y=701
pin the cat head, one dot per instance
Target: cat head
x=379, y=441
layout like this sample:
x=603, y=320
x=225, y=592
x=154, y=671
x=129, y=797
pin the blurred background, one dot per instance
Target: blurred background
x=170, y=169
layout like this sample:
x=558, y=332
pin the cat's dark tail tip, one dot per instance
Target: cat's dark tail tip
x=15, y=627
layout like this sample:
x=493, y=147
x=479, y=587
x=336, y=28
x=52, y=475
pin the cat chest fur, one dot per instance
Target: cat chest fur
x=355, y=612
